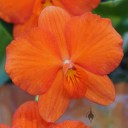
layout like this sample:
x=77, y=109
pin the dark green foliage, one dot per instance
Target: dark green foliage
x=5, y=39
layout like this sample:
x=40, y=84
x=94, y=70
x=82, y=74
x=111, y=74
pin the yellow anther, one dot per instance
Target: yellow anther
x=70, y=73
x=47, y=3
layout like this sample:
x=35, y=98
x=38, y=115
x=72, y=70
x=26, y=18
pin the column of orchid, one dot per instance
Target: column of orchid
x=61, y=51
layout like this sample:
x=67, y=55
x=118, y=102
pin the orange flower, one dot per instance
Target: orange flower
x=27, y=116
x=25, y=13
x=65, y=57
x=77, y=7
x=33, y=20
x=16, y=12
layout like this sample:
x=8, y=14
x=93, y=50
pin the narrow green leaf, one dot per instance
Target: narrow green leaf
x=5, y=39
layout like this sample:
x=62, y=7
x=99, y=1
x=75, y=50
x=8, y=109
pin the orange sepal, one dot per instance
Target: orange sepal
x=78, y=7
x=27, y=116
x=32, y=21
x=19, y=29
x=71, y=124
x=38, y=6
x=33, y=61
x=16, y=12
x=94, y=44
x=54, y=20
x=53, y=103
x=100, y=90
x=58, y=3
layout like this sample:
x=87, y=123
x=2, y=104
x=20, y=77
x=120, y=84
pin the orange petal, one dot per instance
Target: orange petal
x=71, y=124
x=54, y=103
x=27, y=116
x=54, y=19
x=100, y=89
x=31, y=22
x=21, y=28
x=78, y=7
x=16, y=12
x=94, y=44
x=75, y=83
x=33, y=61
x=58, y=3
x=4, y=126
x=38, y=6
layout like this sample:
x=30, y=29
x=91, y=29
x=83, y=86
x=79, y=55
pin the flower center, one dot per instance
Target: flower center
x=68, y=63
x=71, y=74
x=68, y=69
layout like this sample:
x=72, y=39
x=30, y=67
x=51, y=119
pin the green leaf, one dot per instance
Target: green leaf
x=5, y=39
x=117, y=11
